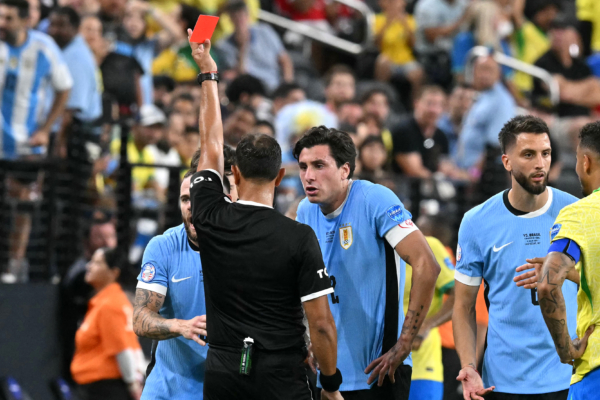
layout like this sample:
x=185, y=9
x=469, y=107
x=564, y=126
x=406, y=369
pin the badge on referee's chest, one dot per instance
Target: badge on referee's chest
x=346, y=237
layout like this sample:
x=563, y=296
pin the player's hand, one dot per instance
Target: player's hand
x=472, y=384
x=311, y=360
x=387, y=363
x=421, y=336
x=325, y=395
x=577, y=347
x=529, y=279
x=40, y=138
x=201, y=54
x=193, y=328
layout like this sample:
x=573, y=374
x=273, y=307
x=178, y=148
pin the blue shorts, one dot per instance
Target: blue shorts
x=587, y=388
x=426, y=390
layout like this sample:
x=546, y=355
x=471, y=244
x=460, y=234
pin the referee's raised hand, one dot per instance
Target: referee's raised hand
x=201, y=54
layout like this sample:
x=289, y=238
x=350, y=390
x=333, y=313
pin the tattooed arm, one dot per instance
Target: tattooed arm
x=552, y=303
x=415, y=251
x=147, y=322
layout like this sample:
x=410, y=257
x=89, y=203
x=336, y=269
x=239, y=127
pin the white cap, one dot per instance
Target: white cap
x=151, y=115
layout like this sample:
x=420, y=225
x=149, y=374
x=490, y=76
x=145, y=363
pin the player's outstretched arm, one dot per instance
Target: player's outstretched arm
x=415, y=251
x=323, y=335
x=211, y=126
x=529, y=279
x=464, y=326
x=552, y=304
x=147, y=322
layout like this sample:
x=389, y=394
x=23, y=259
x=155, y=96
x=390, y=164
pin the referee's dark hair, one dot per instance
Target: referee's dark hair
x=520, y=124
x=258, y=157
x=340, y=145
x=589, y=137
x=70, y=13
x=22, y=6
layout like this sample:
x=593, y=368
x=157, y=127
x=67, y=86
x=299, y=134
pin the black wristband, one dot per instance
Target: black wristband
x=331, y=383
x=209, y=76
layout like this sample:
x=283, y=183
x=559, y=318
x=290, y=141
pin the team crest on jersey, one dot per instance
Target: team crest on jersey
x=554, y=231
x=148, y=272
x=346, y=237
x=396, y=213
x=458, y=253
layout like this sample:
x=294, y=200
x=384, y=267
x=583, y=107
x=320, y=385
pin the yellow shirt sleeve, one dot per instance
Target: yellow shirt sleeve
x=445, y=280
x=379, y=23
x=568, y=225
x=585, y=10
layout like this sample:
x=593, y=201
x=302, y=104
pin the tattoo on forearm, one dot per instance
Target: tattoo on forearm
x=146, y=322
x=410, y=326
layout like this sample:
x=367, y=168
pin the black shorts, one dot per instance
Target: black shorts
x=114, y=389
x=562, y=395
x=274, y=375
x=388, y=391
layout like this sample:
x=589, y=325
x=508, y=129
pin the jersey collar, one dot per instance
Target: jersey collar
x=252, y=203
x=542, y=210
x=337, y=212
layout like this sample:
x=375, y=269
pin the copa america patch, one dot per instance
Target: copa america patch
x=148, y=272
x=554, y=231
x=458, y=253
x=396, y=213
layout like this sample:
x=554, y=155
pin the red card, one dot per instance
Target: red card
x=205, y=26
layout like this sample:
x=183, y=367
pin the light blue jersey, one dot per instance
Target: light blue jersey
x=493, y=241
x=26, y=72
x=172, y=267
x=367, y=275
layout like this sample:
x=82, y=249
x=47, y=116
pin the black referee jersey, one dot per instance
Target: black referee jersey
x=259, y=266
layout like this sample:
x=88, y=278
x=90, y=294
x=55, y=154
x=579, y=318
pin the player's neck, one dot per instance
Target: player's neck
x=20, y=38
x=338, y=201
x=262, y=193
x=522, y=200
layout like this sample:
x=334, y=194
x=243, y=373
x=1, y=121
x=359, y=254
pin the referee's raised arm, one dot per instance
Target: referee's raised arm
x=211, y=125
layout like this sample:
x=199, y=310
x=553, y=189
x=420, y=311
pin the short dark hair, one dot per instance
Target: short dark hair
x=182, y=96
x=189, y=15
x=163, y=81
x=114, y=257
x=371, y=92
x=285, y=89
x=228, y=159
x=70, y=13
x=21, y=5
x=258, y=157
x=590, y=137
x=371, y=139
x=337, y=69
x=520, y=124
x=236, y=5
x=244, y=84
x=427, y=89
x=340, y=145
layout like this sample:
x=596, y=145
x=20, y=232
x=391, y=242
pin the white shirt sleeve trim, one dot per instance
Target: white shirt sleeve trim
x=316, y=294
x=467, y=280
x=397, y=234
x=153, y=287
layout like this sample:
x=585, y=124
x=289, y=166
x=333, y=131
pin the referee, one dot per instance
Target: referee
x=259, y=267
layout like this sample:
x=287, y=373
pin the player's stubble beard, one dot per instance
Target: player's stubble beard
x=187, y=223
x=532, y=188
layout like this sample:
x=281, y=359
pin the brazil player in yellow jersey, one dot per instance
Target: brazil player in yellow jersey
x=427, y=382
x=575, y=254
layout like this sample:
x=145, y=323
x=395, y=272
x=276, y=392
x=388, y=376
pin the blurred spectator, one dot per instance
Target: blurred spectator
x=91, y=30
x=84, y=106
x=588, y=14
x=239, y=123
x=83, y=7
x=185, y=106
x=111, y=14
x=340, y=87
x=349, y=113
x=163, y=89
x=563, y=58
x=311, y=12
x=31, y=65
x=395, y=37
x=438, y=22
x=190, y=142
x=164, y=153
x=459, y=103
x=493, y=107
x=75, y=292
x=419, y=146
x=287, y=93
x=264, y=127
x=531, y=38
x=372, y=157
x=34, y=13
x=255, y=49
x=108, y=361
x=145, y=49
x=248, y=90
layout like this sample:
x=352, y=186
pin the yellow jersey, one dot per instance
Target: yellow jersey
x=140, y=176
x=394, y=44
x=427, y=361
x=530, y=43
x=580, y=222
x=589, y=10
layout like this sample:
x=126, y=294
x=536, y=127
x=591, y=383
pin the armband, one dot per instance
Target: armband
x=567, y=247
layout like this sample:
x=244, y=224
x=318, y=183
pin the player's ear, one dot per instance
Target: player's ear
x=345, y=171
x=236, y=174
x=506, y=162
x=280, y=176
x=587, y=164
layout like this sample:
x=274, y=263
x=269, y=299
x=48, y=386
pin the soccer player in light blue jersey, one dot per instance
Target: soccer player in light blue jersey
x=171, y=283
x=520, y=361
x=362, y=227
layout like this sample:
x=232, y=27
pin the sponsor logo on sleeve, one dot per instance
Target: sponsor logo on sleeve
x=554, y=231
x=148, y=272
x=458, y=253
x=396, y=213
x=407, y=224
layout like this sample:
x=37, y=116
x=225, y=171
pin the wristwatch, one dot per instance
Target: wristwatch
x=208, y=76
